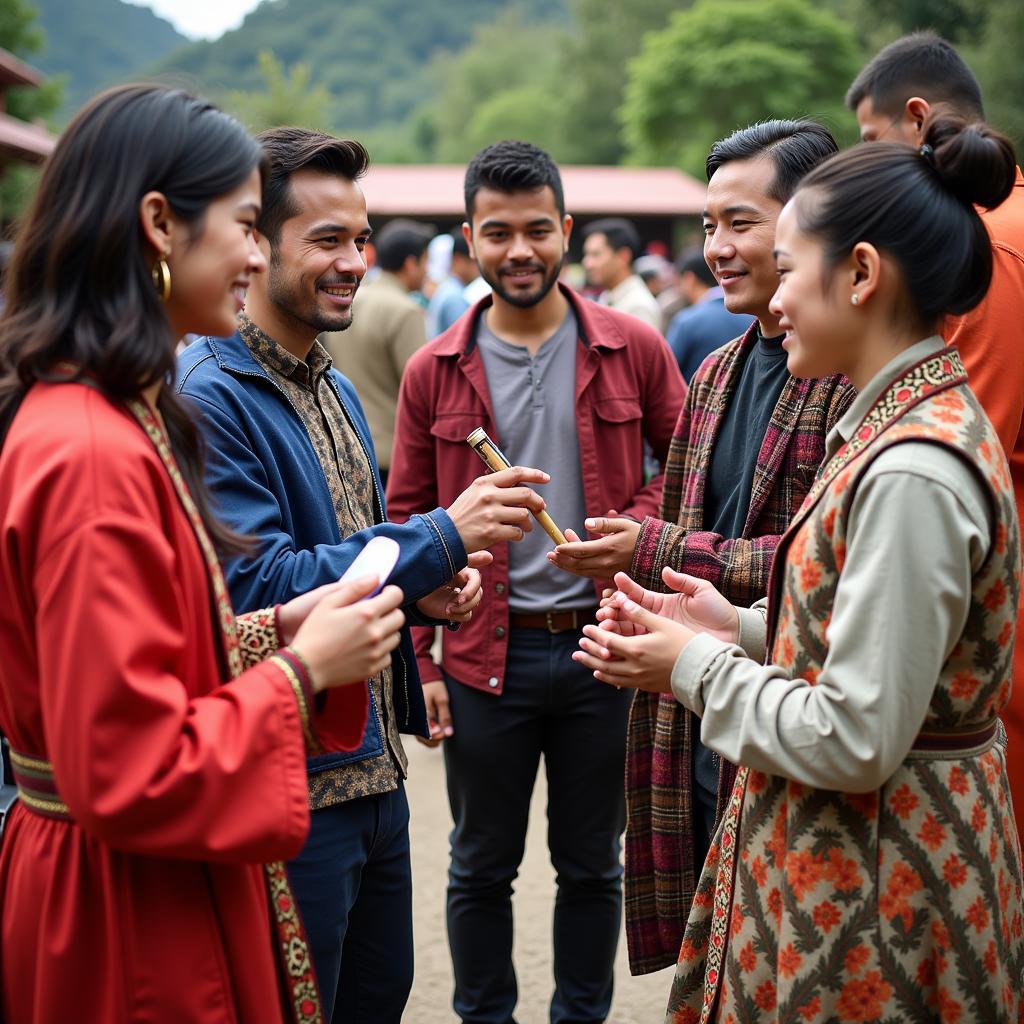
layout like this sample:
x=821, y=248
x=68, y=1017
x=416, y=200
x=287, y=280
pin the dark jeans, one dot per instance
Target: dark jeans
x=353, y=884
x=550, y=706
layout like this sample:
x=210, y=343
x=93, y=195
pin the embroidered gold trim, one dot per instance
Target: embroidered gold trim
x=300, y=698
x=43, y=806
x=32, y=765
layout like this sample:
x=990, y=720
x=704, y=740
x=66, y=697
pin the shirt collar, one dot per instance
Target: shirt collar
x=275, y=356
x=843, y=430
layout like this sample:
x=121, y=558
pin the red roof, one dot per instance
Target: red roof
x=24, y=141
x=17, y=72
x=435, y=190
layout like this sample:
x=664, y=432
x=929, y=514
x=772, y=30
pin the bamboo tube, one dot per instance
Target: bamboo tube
x=495, y=460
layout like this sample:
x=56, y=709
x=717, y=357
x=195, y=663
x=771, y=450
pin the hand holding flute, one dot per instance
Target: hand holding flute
x=496, y=461
x=497, y=507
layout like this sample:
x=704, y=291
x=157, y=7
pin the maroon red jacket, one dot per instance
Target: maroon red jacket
x=628, y=388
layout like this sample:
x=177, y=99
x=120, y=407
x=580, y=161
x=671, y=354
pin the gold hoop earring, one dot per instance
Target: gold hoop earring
x=162, y=278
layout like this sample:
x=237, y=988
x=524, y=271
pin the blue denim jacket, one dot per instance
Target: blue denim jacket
x=268, y=483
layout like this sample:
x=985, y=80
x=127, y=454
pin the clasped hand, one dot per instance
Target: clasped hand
x=456, y=600
x=640, y=633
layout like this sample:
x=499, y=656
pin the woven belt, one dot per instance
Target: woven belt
x=36, y=787
x=553, y=622
x=951, y=744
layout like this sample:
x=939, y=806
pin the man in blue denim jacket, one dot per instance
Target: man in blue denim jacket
x=292, y=465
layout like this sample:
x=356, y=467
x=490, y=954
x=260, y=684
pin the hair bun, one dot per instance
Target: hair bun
x=975, y=162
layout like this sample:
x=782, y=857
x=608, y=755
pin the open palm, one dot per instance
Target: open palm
x=694, y=603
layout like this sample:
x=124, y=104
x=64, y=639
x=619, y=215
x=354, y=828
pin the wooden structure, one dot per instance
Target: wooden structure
x=663, y=203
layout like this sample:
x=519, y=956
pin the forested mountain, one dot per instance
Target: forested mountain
x=96, y=43
x=372, y=55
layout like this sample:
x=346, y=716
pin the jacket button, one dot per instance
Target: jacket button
x=499, y=588
x=499, y=632
x=492, y=682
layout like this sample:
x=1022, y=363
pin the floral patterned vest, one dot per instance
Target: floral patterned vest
x=818, y=905
x=930, y=402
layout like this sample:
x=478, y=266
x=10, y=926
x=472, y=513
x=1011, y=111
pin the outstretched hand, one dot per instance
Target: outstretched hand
x=694, y=603
x=610, y=553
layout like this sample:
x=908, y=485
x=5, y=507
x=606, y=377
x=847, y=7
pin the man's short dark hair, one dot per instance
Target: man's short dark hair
x=921, y=64
x=398, y=240
x=299, y=149
x=512, y=166
x=691, y=260
x=795, y=147
x=619, y=233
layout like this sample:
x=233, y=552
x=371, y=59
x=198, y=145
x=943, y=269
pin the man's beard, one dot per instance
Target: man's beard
x=528, y=299
x=282, y=295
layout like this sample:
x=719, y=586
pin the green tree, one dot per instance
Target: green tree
x=724, y=64
x=286, y=98
x=504, y=84
x=606, y=35
x=998, y=65
x=20, y=34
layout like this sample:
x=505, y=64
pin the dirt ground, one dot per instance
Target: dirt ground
x=637, y=1000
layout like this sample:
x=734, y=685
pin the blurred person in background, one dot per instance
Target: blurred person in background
x=449, y=300
x=662, y=280
x=705, y=324
x=610, y=246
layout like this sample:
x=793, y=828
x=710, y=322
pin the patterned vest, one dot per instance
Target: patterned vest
x=903, y=903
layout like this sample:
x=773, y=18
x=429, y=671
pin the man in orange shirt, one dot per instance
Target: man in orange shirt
x=892, y=97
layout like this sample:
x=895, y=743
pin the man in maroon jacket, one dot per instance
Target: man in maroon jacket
x=574, y=389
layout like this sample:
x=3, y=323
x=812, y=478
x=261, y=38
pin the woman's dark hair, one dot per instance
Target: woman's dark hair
x=917, y=205
x=79, y=287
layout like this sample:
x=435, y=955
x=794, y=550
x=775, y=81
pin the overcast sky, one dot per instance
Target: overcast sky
x=201, y=19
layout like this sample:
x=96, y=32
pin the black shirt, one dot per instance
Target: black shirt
x=726, y=500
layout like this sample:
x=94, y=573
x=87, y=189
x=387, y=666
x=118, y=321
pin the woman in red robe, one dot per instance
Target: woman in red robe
x=160, y=759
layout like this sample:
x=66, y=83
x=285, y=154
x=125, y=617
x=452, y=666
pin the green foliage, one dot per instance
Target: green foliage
x=956, y=20
x=490, y=92
x=595, y=59
x=373, y=58
x=724, y=64
x=999, y=66
x=286, y=99
x=20, y=34
x=99, y=43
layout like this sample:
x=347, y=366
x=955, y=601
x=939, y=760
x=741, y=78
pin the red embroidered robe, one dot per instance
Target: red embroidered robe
x=150, y=905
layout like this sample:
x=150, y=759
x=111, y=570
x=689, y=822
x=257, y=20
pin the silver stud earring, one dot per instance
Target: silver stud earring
x=854, y=299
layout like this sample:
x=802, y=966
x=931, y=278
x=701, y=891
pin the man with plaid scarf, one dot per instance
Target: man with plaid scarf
x=746, y=448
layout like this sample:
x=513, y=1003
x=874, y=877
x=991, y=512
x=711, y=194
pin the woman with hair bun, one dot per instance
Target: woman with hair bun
x=159, y=744
x=868, y=867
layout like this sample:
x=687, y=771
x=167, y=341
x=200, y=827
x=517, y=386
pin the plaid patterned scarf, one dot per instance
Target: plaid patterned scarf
x=660, y=871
